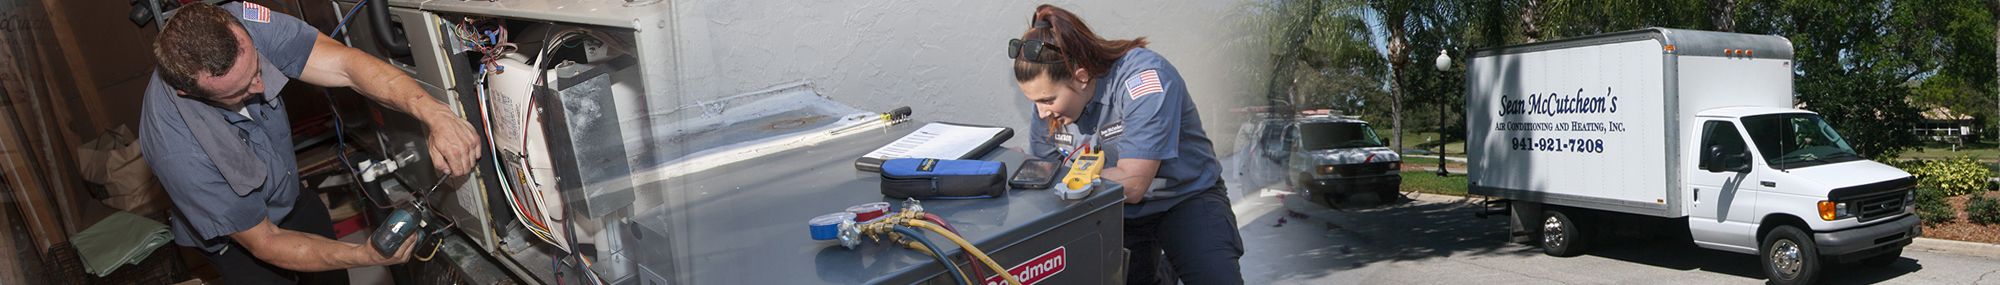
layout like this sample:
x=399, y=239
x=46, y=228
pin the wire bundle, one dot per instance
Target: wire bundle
x=491, y=42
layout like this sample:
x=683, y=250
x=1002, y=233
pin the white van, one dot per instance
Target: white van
x=1333, y=157
x=1688, y=127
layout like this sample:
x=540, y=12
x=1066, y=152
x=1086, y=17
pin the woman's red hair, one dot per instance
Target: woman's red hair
x=1080, y=48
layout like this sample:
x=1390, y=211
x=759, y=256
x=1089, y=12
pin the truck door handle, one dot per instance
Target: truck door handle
x=1697, y=195
x=1768, y=183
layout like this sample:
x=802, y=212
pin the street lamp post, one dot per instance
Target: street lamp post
x=1443, y=63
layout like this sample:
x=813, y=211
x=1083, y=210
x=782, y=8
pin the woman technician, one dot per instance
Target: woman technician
x=1129, y=102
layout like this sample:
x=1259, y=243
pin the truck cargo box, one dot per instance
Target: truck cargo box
x=1593, y=122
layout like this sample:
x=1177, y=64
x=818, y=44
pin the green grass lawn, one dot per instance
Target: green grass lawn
x=1421, y=160
x=1426, y=141
x=1977, y=151
x=1428, y=182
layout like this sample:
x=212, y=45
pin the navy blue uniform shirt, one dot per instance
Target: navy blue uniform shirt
x=206, y=209
x=1142, y=110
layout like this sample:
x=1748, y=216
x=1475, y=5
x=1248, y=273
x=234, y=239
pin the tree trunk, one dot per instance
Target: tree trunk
x=1725, y=14
x=1529, y=23
x=1282, y=77
x=1396, y=110
x=1399, y=59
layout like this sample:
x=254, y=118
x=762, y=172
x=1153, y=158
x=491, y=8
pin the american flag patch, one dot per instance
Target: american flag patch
x=1146, y=83
x=257, y=13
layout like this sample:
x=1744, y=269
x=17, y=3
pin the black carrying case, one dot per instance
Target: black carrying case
x=924, y=178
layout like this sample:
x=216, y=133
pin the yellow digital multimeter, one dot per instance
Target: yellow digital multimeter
x=1084, y=169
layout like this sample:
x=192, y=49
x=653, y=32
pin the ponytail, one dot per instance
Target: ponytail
x=1080, y=48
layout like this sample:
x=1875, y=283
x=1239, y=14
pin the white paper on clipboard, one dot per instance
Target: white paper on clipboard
x=939, y=141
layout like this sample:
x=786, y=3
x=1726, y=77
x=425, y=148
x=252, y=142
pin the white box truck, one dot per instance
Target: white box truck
x=1682, y=127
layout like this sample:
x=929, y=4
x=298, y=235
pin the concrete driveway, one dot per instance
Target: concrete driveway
x=1432, y=239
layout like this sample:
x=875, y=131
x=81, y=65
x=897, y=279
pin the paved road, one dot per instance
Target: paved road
x=1437, y=240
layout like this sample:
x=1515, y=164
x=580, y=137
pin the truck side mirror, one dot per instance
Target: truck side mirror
x=1716, y=160
x=1736, y=162
x=1711, y=159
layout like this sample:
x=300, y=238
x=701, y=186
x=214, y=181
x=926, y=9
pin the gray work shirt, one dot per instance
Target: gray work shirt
x=1142, y=110
x=206, y=209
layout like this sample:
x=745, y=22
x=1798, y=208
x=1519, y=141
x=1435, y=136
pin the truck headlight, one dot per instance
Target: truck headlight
x=1395, y=167
x=1910, y=202
x=1829, y=210
x=1327, y=170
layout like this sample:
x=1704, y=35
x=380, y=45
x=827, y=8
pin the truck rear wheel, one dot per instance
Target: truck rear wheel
x=1789, y=256
x=1562, y=235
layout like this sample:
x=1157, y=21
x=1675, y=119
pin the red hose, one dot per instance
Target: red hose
x=976, y=274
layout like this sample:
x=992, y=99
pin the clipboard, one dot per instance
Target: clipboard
x=939, y=140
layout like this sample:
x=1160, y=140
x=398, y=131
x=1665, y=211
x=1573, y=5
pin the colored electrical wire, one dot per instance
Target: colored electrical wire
x=1077, y=152
x=492, y=44
x=592, y=273
x=434, y=252
x=343, y=19
x=967, y=247
x=527, y=162
x=340, y=140
x=937, y=253
x=505, y=187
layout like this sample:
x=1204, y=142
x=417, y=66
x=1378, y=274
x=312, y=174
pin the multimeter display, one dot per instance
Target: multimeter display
x=1083, y=170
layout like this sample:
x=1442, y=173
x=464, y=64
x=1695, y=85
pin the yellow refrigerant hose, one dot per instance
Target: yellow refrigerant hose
x=967, y=246
x=919, y=247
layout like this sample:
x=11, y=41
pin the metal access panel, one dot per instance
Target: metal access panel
x=745, y=223
x=587, y=142
x=436, y=71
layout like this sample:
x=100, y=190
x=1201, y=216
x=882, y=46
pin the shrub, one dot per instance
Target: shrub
x=1957, y=176
x=1983, y=210
x=1932, y=207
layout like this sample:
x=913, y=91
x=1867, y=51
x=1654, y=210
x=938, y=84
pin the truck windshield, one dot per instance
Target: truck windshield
x=1797, y=140
x=1319, y=136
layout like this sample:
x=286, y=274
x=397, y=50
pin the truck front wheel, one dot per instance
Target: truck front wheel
x=1562, y=235
x=1390, y=196
x=1789, y=256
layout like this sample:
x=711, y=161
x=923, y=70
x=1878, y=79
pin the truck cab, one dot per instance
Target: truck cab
x=1758, y=169
x=1333, y=157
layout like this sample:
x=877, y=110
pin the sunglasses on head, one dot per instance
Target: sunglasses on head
x=1035, y=51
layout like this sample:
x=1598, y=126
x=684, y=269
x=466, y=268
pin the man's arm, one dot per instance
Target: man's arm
x=1136, y=175
x=452, y=143
x=303, y=252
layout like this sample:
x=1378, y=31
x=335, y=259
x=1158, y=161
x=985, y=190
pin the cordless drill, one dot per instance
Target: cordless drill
x=401, y=224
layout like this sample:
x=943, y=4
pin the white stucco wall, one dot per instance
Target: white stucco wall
x=947, y=59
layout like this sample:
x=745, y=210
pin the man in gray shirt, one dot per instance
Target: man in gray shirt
x=216, y=133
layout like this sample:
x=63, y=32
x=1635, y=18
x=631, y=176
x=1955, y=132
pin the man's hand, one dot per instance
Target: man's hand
x=304, y=252
x=402, y=253
x=454, y=148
